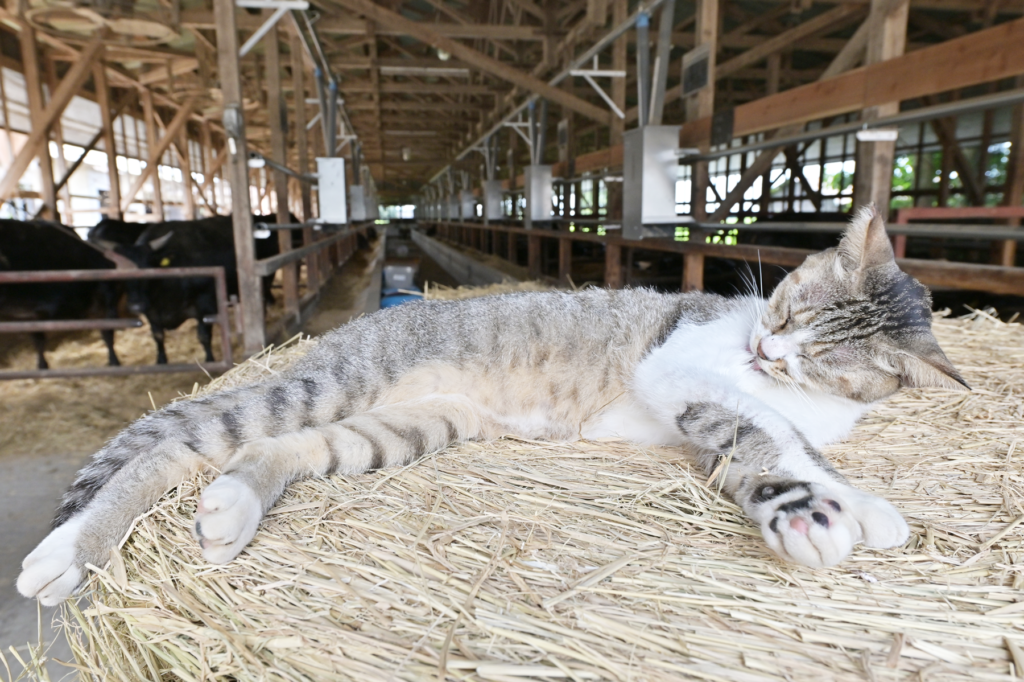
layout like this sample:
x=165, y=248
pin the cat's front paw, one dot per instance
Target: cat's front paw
x=227, y=517
x=52, y=571
x=817, y=525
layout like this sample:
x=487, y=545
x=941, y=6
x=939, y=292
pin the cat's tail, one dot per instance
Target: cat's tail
x=127, y=476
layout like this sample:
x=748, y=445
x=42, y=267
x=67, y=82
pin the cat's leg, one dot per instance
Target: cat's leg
x=807, y=511
x=230, y=509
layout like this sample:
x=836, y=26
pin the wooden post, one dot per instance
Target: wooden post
x=313, y=265
x=186, y=173
x=620, y=9
x=533, y=256
x=612, y=266
x=58, y=136
x=887, y=38
x=1014, y=178
x=278, y=120
x=34, y=84
x=150, y=115
x=208, y=165
x=565, y=260
x=702, y=104
x=693, y=272
x=249, y=284
x=99, y=78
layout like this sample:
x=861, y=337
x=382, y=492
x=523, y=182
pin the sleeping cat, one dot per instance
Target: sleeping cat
x=777, y=378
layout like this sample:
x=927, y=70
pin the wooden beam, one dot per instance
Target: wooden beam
x=832, y=19
x=218, y=163
x=178, y=67
x=529, y=7
x=208, y=172
x=620, y=9
x=376, y=132
x=157, y=149
x=761, y=165
x=57, y=131
x=99, y=79
x=479, y=60
x=314, y=264
x=702, y=104
x=203, y=19
x=980, y=57
x=59, y=99
x=149, y=113
x=612, y=265
x=564, y=261
x=414, y=88
x=185, y=166
x=250, y=286
x=34, y=85
x=945, y=131
x=1014, y=194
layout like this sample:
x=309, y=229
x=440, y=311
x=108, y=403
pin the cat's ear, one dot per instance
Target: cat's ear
x=865, y=243
x=926, y=366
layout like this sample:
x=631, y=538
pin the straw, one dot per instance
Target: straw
x=518, y=559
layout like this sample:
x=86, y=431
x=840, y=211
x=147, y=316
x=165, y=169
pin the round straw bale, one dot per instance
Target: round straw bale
x=515, y=559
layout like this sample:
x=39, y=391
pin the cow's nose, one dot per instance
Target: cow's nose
x=760, y=351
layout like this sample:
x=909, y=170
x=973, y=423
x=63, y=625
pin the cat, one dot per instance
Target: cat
x=770, y=381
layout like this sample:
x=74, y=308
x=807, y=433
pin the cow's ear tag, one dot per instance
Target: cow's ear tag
x=165, y=262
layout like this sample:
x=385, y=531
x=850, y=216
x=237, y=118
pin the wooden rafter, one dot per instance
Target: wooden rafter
x=58, y=102
x=480, y=61
x=157, y=150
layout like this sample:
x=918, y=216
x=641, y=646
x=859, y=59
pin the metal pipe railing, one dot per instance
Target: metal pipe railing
x=36, y=276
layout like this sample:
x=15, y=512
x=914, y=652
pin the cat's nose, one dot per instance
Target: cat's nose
x=760, y=351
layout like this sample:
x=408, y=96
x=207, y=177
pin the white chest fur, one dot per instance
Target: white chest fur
x=713, y=360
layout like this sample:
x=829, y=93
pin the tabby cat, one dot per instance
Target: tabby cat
x=780, y=378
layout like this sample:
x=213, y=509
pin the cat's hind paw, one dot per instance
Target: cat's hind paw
x=817, y=525
x=226, y=520
x=51, y=572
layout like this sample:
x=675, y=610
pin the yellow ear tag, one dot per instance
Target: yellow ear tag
x=165, y=262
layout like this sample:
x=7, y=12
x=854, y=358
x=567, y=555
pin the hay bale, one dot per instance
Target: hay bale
x=594, y=560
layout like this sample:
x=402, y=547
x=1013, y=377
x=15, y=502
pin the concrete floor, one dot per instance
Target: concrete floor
x=30, y=487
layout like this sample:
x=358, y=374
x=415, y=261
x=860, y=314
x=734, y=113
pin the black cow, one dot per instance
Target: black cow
x=111, y=233
x=167, y=303
x=39, y=245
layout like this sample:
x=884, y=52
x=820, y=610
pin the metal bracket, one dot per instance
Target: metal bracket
x=589, y=75
x=517, y=126
x=280, y=7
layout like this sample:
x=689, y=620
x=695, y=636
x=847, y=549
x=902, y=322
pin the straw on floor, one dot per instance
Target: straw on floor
x=515, y=560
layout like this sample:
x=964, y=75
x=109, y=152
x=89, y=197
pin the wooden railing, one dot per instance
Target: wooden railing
x=994, y=279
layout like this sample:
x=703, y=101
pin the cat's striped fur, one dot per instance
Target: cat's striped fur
x=386, y=389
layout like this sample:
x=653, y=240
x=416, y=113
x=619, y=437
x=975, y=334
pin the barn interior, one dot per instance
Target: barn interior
x=353, y=154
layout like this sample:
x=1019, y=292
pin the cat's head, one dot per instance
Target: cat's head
x=849, y=322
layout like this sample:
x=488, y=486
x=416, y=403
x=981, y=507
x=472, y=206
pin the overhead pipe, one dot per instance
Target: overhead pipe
x=643, y=68
x=331, y=119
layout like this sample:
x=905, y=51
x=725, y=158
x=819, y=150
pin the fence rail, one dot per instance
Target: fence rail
x=37, y=276
x=996, y=279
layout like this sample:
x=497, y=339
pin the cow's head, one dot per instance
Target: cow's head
x=146, y=252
